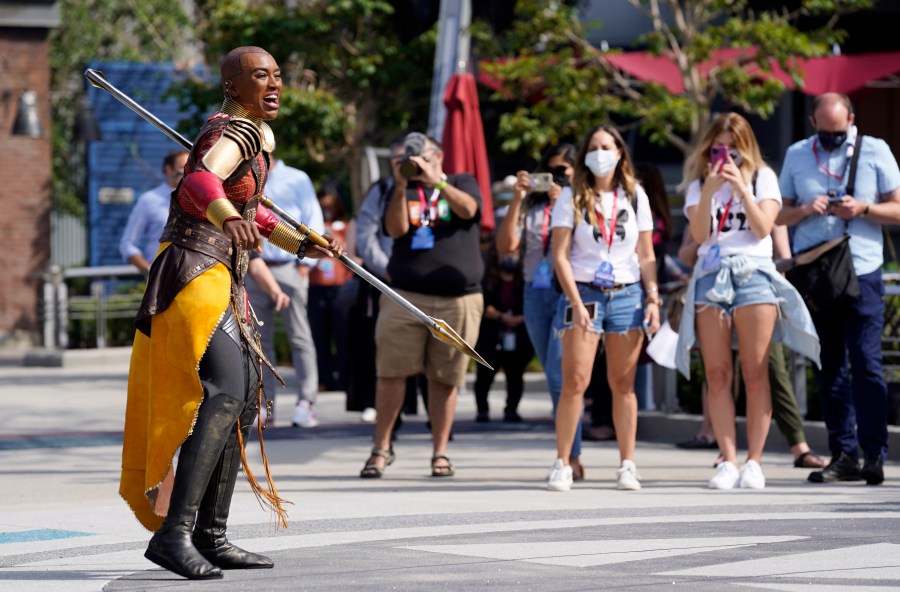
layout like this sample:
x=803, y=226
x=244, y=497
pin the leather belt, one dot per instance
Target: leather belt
x=614, y=287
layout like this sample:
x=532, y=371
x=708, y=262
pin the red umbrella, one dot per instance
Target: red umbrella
x=464, y=147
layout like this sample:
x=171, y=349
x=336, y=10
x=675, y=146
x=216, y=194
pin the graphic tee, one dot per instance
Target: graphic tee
x=589, y=249
x=736, y=236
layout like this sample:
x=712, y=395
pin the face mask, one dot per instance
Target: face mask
x=832, y=140
x=601, y=162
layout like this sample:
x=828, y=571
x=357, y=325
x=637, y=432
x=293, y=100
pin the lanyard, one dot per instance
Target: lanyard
x=425, y=210
x=725, y=214
x=824, y=168
x=545, y=234
x=608, y=236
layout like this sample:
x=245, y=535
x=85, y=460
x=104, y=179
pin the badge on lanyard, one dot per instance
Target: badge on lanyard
x=543, y=276
x=604, y=276
x=712, y=260
x=423, y=239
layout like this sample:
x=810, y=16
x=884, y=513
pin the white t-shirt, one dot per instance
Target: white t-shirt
x=736, y=236
x=589, y=248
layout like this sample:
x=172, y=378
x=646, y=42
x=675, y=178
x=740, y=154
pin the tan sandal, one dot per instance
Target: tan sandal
x=441, y=470
x=372, y=470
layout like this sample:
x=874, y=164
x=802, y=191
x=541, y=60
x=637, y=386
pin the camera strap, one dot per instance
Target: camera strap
x=851, y=176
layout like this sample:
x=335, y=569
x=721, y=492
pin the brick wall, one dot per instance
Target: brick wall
x=25, y=198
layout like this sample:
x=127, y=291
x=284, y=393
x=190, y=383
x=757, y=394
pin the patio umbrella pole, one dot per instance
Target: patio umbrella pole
x=439, y=328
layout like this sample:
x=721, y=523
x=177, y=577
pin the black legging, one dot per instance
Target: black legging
x=226, y=369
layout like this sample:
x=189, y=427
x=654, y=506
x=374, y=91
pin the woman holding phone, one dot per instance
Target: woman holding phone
x=602, y=252
x=525, y=231
x=731, y=202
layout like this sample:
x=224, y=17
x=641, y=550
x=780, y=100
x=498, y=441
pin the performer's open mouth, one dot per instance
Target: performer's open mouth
x=271, y=100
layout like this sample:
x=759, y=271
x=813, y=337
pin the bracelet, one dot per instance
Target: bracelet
x=440, y=186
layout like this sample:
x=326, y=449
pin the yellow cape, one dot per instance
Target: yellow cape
x=164, y=391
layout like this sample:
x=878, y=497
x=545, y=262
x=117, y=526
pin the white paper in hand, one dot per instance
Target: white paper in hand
x=663, y=346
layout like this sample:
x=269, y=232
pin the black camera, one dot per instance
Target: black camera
x=413, y=145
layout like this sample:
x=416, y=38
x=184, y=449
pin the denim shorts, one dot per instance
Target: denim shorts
x=757, y=289
x=618, y=311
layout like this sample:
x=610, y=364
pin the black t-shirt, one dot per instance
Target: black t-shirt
x=453, y=267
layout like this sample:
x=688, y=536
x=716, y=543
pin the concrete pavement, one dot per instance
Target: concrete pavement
x=64, y=528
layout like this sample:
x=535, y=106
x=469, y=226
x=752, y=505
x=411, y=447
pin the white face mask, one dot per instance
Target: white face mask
x=601, y=162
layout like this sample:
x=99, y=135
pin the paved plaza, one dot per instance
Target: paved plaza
x=63, y=527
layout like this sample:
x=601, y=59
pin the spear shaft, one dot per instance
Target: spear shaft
x=439, y=329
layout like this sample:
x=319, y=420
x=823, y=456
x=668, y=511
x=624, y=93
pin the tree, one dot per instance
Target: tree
x=349, y=79
x=93, y=30
x=569, y=85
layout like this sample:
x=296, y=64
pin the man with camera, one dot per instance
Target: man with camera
x=436, y=264
x=825, y=196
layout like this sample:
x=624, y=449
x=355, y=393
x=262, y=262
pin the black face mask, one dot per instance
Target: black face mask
x=831, y=140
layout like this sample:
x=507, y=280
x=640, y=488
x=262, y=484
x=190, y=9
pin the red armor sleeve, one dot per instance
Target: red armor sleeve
x=265, y=220
x=203, y=188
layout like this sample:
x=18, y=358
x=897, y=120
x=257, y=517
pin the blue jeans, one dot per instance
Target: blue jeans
x=540, y=306
x=855, y=413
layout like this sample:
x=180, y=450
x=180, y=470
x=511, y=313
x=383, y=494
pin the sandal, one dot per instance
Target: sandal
x=810, y=460
x=442, y=470
x=372, y=470
x=577, y=469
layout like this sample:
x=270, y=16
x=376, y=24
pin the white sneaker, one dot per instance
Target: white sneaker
x=727, y=477
x=627, y=477
x=560, y=478
x=305, y=416
x=368, y=415
x=752, y=476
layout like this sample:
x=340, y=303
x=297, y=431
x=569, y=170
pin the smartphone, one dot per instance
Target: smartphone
x=835, y=196
x=541, y=181
x=591, y=309
x=717, y=154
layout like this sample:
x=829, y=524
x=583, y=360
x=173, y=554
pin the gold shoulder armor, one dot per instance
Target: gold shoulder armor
x=268, y=137
x=241, y=140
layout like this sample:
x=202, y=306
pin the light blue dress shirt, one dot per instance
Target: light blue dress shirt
x=373, y=244
x=146, y=223
x=803, y=178
x=293, y=191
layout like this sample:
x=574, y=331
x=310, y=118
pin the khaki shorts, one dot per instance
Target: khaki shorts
x=404, y=345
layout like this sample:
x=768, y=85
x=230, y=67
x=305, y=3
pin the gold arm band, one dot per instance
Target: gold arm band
x=220, y=210
x=285, y=237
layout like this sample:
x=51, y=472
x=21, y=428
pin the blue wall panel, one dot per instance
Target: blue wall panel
x=131, y=151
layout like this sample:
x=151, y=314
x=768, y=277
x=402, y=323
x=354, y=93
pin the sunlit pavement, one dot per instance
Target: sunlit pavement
x=64, y=528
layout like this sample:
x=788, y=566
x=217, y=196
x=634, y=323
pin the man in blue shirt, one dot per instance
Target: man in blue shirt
x=293, y=190
x=813, y=186
x=140, y=240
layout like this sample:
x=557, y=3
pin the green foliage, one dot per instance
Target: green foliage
x=91, y=30
x=561, y=86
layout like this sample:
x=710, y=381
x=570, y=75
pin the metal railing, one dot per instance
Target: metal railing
x=60, y=307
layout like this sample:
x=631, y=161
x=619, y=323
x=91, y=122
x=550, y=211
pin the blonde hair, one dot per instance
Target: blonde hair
x=696, y=165
x=583, y=179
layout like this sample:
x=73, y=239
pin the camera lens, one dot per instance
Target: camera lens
x=409, y=169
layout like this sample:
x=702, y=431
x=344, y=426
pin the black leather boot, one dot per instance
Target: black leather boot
x=171, y=546
x=209, y=533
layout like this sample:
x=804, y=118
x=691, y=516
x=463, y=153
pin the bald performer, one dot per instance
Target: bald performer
x=194, y=386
